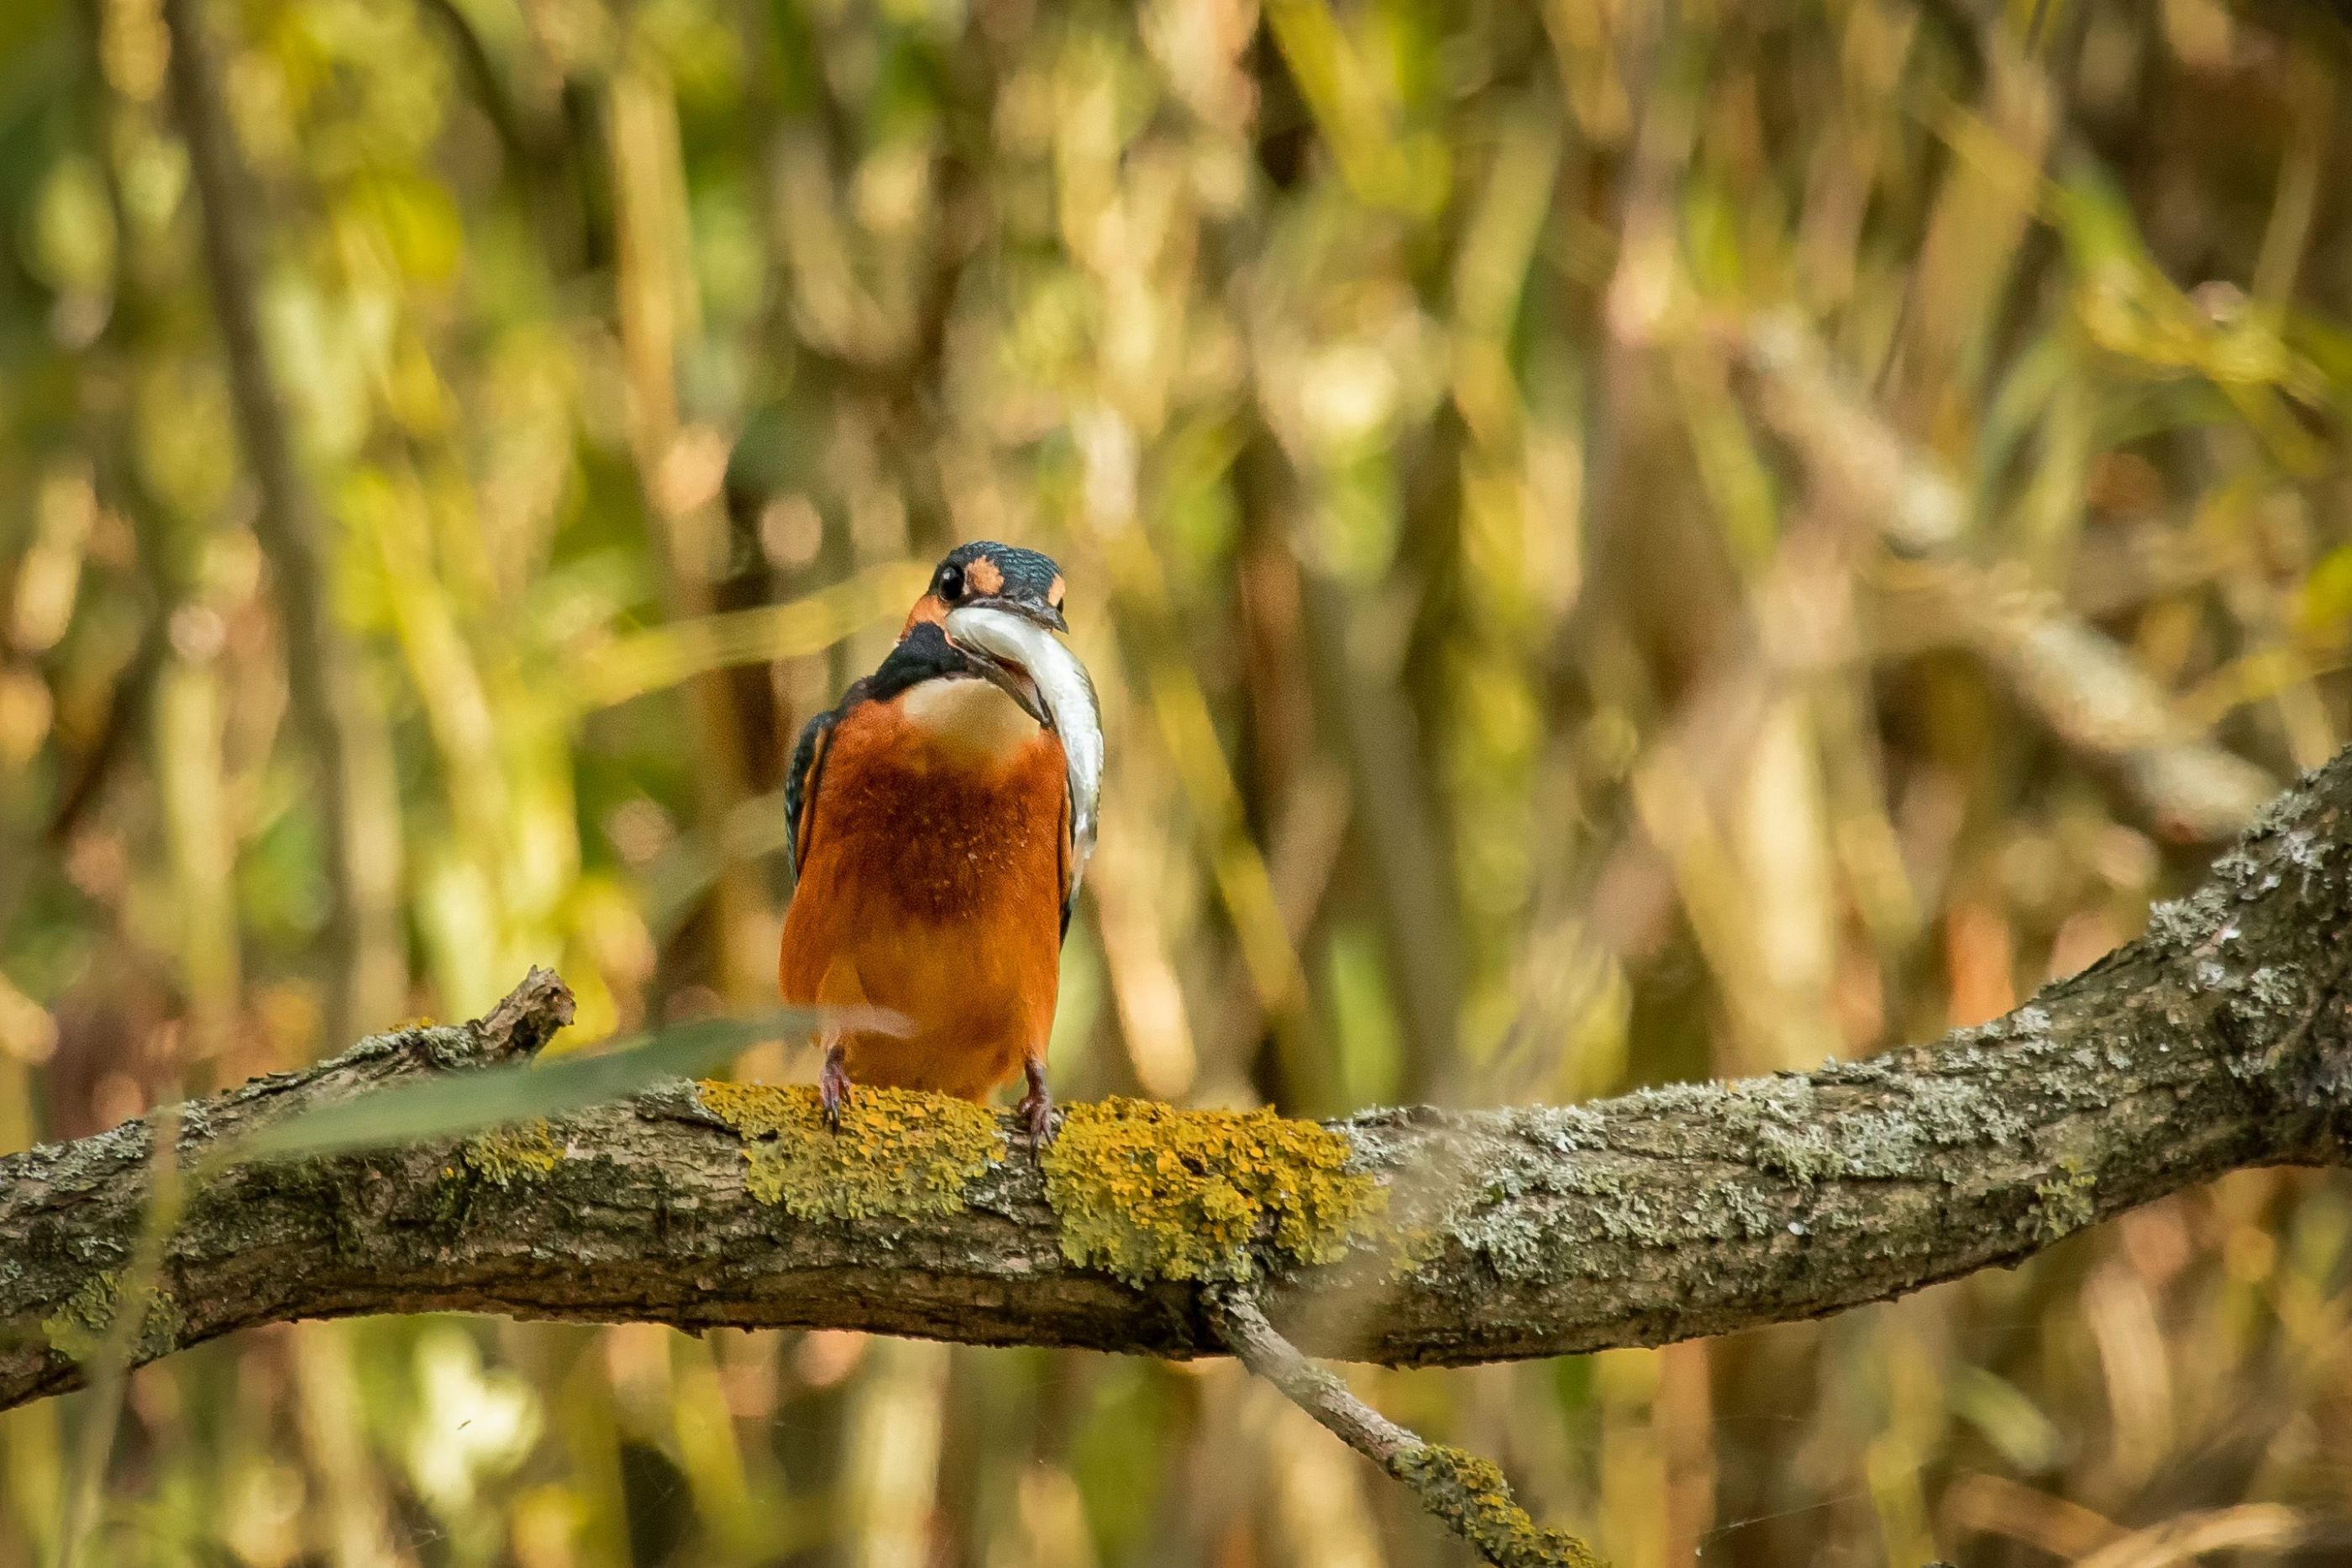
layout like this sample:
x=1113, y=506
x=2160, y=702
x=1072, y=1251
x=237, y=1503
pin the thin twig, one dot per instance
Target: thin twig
x=1467, y=1493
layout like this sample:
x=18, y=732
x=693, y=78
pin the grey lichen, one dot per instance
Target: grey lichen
x=1799, y=1132
x=1535, y=1210
x=449, y=1047
x=1540, y=1201
x=2276, y=987
x=1565, y=1129
x=2185, y=924
x=2305, y=852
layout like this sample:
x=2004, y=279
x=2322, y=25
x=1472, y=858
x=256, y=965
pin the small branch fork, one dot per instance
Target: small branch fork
x=1468, y=1494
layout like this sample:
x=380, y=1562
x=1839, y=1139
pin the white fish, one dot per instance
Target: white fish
x=1028, y=648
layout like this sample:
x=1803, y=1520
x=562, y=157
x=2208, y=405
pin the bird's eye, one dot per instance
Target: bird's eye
x=951, y=582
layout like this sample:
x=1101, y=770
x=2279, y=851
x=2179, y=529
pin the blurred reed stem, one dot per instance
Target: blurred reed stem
x=359, y=796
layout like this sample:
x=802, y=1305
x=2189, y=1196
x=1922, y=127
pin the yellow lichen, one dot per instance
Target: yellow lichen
x=1470, y=1494
x=81, y=1327
x=897, y=1152
x=507, y=1154
x=1146, y=1191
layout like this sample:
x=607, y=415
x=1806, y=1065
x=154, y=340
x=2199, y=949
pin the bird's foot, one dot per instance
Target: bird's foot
x=1036, y=1110
x=833, y=1087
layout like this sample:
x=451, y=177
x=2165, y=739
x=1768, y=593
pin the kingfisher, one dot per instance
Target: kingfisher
x=941, y=820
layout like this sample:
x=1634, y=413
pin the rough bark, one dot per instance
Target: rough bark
x=2218, y=1041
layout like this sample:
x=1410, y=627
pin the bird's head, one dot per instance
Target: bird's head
x=984, y=575
x=991, y=611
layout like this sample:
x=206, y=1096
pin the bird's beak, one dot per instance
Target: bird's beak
x=1036, y=610
x=997, y=661
x=1013, y=682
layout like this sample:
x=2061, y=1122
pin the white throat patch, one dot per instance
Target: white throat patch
x=969, y=714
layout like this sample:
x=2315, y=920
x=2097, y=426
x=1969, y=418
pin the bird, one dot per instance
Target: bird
x=940, y=818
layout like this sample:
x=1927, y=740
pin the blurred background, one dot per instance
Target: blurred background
x=1620, y=542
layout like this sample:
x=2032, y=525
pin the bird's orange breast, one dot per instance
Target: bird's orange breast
x=932, y=884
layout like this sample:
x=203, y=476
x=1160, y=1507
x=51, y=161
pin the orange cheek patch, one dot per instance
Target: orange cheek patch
x=984, y=576
x=928, y=610
x=1054, y=591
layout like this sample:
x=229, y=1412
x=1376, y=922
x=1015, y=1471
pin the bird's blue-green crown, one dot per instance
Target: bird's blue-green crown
x=986, y=568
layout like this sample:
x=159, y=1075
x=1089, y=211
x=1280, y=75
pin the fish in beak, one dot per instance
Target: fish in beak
x=1012, y=642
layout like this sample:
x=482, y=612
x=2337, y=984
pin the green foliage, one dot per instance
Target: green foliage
x=470, y=1099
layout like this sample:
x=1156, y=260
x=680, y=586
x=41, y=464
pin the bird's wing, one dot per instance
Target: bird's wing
x=923, y=653
x=807, y=772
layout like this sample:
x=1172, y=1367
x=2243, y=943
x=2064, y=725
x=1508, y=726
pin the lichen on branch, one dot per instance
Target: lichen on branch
x=1408, y=1237
x=1147, y=1192
x=897, y=1152
x=1467, y=1494
x=1470, y=1497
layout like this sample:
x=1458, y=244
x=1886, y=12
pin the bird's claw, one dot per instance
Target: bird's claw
x=833, y=1088
x=1038, y=1117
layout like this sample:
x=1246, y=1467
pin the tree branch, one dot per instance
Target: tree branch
x=1467, y=1492
x=1410, y=1237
